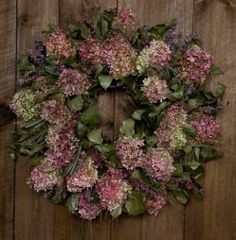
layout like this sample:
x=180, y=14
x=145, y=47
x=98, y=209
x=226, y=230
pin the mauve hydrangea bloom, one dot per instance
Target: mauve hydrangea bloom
x=72, y=82
x=130, y=152
x=85, y=175
x=126, y=21
x=154, y=205
x=24, y=105
x=62, y=144
x=156, y=54
x=44, y=177
x=159, y=164
x=120, y=56
x=112, y=189
x=88, y=209
x=170, y=133
x=207, y=128
x=90, y=50
x=55, y=112
x=58, y=45
x=155, y=89
x=197, y=64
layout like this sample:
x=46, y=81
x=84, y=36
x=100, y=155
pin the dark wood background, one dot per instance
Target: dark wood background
x=25, y=215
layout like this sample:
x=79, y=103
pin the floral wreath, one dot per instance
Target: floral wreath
x=159, y=152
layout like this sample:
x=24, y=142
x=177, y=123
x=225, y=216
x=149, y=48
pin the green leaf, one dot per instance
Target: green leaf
x=156, y=111
x=176, y=95
x=99, y=69
x=97, y=15
x=105, y=81
x=151, y=140
x=81, y=129
x=193, y=165
x=215, y=70
x=76, y=103
x=72, y=203
x=84, y=31
x=178, y=169
x=180, y=196
x=134, y=205
x=105, y=148
x=209, y=153
x=51, y=70
x=220, y=89
x=103, y=27
x=127, y=128
x=95, y=136
x=195, y=102
x=189, y=131
x=197, y=153
x=130, y=82
x=116, y=212
x=137, y=115
x=90, y=116
x=59, y=97
x=34, y=123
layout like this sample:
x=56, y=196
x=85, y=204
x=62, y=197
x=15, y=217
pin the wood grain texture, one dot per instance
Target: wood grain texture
x=34, y=217
x=169, y=224
x=7, y=88
x=215, y=217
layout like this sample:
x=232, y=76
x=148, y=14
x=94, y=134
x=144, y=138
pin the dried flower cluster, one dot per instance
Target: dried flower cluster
x=157, y=54
x=154, y=89
x=197, y=64
x=130, y=152
x=120, y=56
x=72, y=82
x=58, y=45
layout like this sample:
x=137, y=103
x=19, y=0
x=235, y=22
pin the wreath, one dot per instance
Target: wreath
x=157, y=157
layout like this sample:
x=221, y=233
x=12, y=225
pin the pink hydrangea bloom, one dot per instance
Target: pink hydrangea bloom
x=159, y=164
x=55, y=112
x=127, y=22
x=130, y=152
x=112, y=189
x=156, y=54
x=62, y=144
x=197, y=63
x=57, y=44
x=90, y=50
x=154, y=205
x=72, y=82
x=207, y=128
x=120, y=56
x=44, y=177
x=88, y=209
x=155, y=89
x=85, y=176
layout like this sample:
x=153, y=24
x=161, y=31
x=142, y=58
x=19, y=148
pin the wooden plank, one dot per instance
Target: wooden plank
x=169, y=224
x=7, y=88
x=66, y=226
x=34, y=215
x=214, y=217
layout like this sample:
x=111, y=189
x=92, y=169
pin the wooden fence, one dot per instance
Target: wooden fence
x=25, y=215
